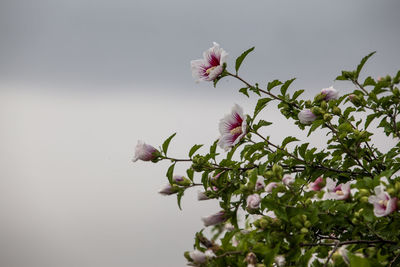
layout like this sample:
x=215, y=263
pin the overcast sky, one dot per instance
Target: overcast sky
x=81, y=81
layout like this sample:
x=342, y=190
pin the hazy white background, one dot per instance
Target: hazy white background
x=82, y=81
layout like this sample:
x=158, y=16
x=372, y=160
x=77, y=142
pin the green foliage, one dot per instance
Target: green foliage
x=314, y=203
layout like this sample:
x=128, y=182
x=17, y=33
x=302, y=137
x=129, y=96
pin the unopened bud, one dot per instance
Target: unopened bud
x=308, y=104
x=317, y=111
x=307, y=224
x=397, y=186
x=336, y=111
x=391, y=191
x=327, y=117
x=364, y=199
x=355, y=99
x=277, y=170
x=324, y=105
x=251, y=258
x=354, y=221
x=304, y=230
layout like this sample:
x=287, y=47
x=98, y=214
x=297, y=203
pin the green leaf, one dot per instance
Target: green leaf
x=361, y=65
x=261, y=103
x=240, y=59
x=170, y=173
x=369, y=81
x=288, y=140
x=369, y=119
x=166, y=143
x=285, y=86
x=194, y=149
x=190, y=174
x=273, y=84
x=297, y=94
x=260, y=124
x=179, y=198
x=356, y=261
x=244, y=91
x=315, y=125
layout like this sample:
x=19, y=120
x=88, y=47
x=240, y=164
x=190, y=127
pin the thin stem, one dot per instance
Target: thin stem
x=331, y=254
x=261, y=90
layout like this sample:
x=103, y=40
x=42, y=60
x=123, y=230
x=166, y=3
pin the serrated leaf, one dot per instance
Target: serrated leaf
x=244, y=91
x=288, y=140
x=273, y=84
x=285, y=86
x=240, y=59
x=194, y=149
x=361, y=65
x=166, y=143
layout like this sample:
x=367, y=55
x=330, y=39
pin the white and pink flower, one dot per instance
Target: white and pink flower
x=144, y=152
x=270, y=186
x=336, y=192
x=306, y=116
x=253, y=201
x=211, y=66
x=383, y=203
x=198, y=256
x=287, y=179
x=214, y=219
x=233, y=128
x=260, y=183
x=317, y=185
x=330, y=93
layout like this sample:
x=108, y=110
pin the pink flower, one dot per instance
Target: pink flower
x=383, y=203
x=211, y=66
x=270, y=186
x=337, y=192
x=287, y=179
x=260, y=183
x=233, y=128
x=253, y=201
x=317, y=185
x=167, y=190
x=306, y=116
x=330, y=93
x=214, y=219
x=144, y=152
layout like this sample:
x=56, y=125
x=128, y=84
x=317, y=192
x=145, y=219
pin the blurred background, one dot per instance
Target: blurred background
x=82, y=80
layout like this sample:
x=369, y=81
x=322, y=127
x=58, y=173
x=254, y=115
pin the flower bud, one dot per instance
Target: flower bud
x=260, y=183
x=198, y=256
x=306, y=116
x=145, y=152
x=336, y=111
x=288, y=179
x=391, y=191
x=181, y=180
x=317, y=111
x=364, y=199
x=168, y=190
x=355, y=99
x=202, y=196
x=277, y=170
x=308, y=104
x=364, y=192
x=251, y=258
x=317, y=185
x=304, y=230
x=330, y=93
x=307, y=224
x=270, y=187
x=253, y=201
x=397, y=186
x=214, y=219
x=324, y=105
x=327, y=117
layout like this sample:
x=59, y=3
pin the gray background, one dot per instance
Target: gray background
x=82, y=81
